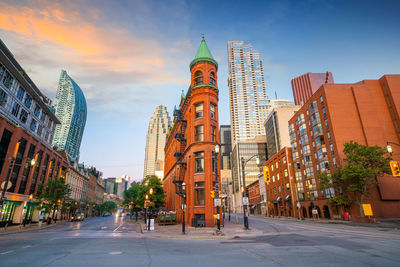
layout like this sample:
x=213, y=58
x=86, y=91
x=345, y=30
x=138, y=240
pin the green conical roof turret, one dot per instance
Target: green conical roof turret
x=203, y=54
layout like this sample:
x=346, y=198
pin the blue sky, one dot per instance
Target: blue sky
x=130, y=56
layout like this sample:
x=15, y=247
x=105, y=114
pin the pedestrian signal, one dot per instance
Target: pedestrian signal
x=394, y=165
x=267, y=177
x=212, y=193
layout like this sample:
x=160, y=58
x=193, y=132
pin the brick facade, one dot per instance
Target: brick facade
x=369, y=111
x=201, y=132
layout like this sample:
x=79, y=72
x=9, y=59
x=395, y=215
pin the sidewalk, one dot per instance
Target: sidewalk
x=28, y=227
x=231, y=230
x=383, y=223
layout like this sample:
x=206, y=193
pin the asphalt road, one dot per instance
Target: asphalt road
x=112, y=241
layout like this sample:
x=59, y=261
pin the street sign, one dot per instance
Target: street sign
x=217, y=202
x=3, y=184
x=245, y=201
x=367, y=209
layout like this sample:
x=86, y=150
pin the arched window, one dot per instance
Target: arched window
x=212, y=78
x=198, y=78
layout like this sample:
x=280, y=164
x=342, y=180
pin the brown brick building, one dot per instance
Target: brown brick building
x=190, y=142
x=254, y=197
x=281, y=195
x=364, y=112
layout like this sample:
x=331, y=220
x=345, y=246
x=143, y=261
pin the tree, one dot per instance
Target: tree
x=130, y=197
x=53, y=193
x=157, y=198
x=363, y=165
x=108, y=206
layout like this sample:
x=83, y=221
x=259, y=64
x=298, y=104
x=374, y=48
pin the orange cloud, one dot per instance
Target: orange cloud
x=90, y=43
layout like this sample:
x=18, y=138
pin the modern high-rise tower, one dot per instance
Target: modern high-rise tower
x=249, y=105
x=155, y=142
x=71, y=110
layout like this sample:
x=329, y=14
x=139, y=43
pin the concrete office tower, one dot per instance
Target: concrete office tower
x=307, y=84
x=155, y=142
x=71, y=110
x=249, y=105
x=276, y=128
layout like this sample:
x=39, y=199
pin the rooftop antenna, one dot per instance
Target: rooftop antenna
x=276, y=96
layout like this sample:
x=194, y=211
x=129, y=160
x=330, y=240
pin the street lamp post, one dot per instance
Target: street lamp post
x=244, y=190
x=184, y=206
x=389, y=147
x=145, y=213
x=215, y=153
x=148, y=223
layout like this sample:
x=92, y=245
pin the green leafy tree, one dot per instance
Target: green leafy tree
x=53, y=193
x=108, y=206
x=131, y=196
x=363, y=165
x=157, y=198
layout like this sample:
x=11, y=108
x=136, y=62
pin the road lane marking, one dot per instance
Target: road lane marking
x=117, y=227
x=28, y=246
x=6, y=252
x=115, y=253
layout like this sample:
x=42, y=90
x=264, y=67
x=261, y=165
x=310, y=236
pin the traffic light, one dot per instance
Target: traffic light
x=212, y=193
x=394, y=165
x=267, y=177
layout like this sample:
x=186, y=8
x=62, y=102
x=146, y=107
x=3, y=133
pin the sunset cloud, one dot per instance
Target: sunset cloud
x=99, y=55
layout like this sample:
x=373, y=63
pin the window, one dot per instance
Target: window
x=43, y=117
x=287, y=187
x=199, y=133
x=24, y=116
x=37, y=111
x=20, y=93
x=198, y=78
x=212, y=78
x=276, y=165
x=28, y=101
x=284, y=160
x=212, y=111
x=199, y=162
x=321, y=99
x=199, y=194
x=3, y=98
x=331, y=147
x=198, y=110
x=277, y=176
x=273, y=178
x=286, y=173
x=213, y=134
x=279, y=189
x=40, y=129
x=6, y=77
x=33, y=125
x=15, y=109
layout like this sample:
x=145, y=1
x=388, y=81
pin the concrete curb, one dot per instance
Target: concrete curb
x=29, y=229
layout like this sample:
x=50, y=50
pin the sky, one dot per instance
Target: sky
x=130, y=56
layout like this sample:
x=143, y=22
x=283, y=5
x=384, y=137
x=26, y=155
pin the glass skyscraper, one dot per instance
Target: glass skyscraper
x=249, y=105
x=71, y=110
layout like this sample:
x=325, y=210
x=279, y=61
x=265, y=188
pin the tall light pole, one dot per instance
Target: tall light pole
x=146, y=204
x=148, y=223
x=183, y=206
x=215, y=153
x=244, y=190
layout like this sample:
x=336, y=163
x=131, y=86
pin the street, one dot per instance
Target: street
x=115, y=241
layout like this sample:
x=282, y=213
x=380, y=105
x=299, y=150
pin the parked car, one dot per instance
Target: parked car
x=78, y=217
x=106, y=214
